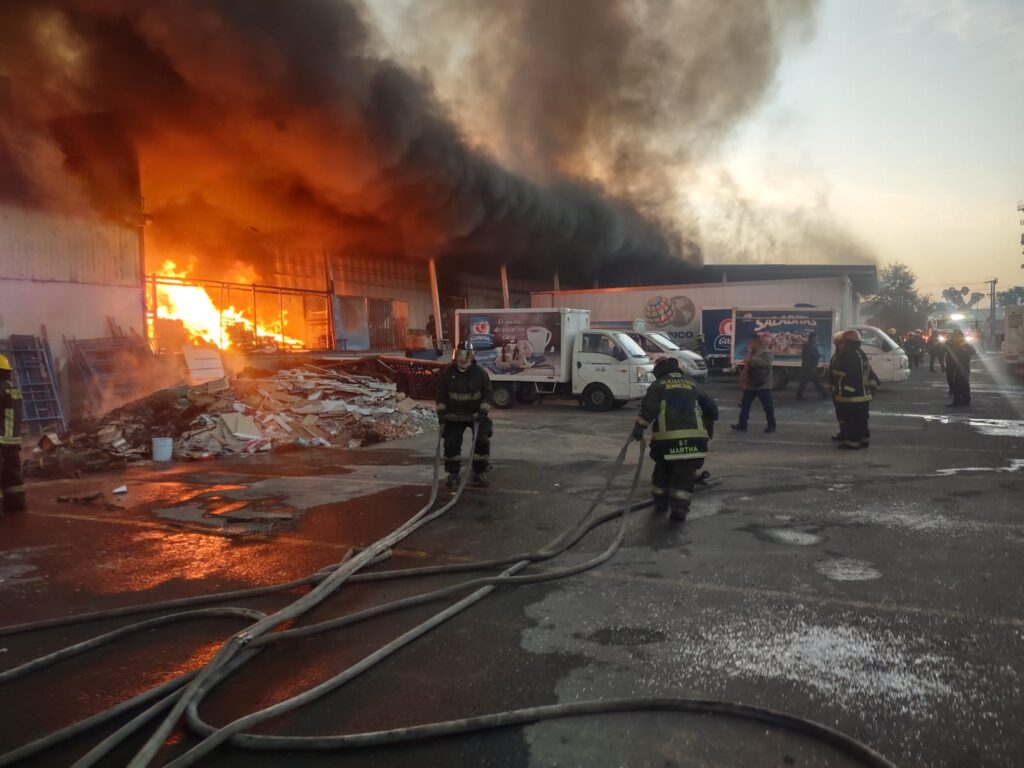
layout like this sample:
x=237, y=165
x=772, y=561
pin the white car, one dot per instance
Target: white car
x=888, y=360
x=658, y=345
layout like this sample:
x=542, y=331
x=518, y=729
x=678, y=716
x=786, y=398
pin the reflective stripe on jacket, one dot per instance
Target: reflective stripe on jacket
x=850, y=372
x=10, y=413
x=678, y=410
x=461, y=395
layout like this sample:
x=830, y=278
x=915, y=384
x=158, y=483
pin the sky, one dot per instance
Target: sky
x=905, y=117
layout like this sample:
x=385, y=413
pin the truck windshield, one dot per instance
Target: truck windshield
x=632, y=348
x=664, y=342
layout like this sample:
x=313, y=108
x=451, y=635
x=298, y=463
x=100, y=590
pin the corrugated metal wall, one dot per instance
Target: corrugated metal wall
x=406, y=281
x=56, y=247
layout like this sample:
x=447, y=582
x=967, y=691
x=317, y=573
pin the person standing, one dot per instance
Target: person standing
x=700, y=348
x=464, y=396
x=755, y=379
x=914, y=347
x=935, y=351
x=432, y=330
x=809, y=373
x=682, y=419
x=850, y=372
x=958, y=366
x=837, y=343
x=12, y=485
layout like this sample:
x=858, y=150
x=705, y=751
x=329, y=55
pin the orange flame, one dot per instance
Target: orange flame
x=202, y=320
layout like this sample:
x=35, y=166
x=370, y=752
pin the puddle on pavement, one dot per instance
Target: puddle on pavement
x=847, y=569
x=16, y=574
x=990, y=427
x=627, y=636
x=795, y=537
x=1014, y=466
x=903, y=515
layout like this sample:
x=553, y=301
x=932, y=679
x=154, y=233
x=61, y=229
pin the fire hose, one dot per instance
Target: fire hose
x=182, y=696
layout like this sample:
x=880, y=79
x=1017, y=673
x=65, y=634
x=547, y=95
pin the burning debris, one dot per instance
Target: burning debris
x=255, y=412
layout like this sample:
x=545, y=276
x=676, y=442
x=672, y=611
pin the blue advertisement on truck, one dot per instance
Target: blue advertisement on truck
x=716, y=325
x=785, y=331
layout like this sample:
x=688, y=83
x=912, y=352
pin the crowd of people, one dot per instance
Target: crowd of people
x=953, y=355
x=682, y=416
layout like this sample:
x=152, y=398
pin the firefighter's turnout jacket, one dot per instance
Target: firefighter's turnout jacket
x=12, y=486
x=850, y=372
x=461, y=395
x=680, y=412
x=10, y=411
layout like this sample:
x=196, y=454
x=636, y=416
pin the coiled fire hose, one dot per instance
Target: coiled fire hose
x=184, y=694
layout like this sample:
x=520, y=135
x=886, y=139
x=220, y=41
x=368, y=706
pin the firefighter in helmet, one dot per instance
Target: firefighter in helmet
x=850, y=373
x=682, y=418
x=464, y=397
x=12, y=486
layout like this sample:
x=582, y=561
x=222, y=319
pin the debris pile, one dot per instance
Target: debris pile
x=254, y=412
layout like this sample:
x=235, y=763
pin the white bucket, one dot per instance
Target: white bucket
x=162, y=447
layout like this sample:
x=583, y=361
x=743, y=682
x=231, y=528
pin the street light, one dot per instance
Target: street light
x=956, y=316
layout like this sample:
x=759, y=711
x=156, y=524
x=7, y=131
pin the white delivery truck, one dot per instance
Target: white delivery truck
x=533, y=353
x=787, y=329
x=658, y=345
x=675, y=311
x=1013, y=342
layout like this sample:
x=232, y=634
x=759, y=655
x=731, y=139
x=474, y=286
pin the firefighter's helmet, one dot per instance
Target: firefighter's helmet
x=851, y=334
x=5, y=364
x=665, y=366
x=464, y=354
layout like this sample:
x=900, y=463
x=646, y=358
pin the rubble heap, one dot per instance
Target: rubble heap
x=254, y=412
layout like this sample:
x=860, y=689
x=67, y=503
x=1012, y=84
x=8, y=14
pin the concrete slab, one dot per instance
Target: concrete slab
x=875, y=591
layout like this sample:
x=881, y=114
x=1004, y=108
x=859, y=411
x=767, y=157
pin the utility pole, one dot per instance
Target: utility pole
x=992, y=311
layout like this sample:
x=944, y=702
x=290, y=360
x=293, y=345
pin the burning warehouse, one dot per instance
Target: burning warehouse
x=258, y=177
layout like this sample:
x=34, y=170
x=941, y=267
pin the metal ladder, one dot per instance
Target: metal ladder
x=34, y=375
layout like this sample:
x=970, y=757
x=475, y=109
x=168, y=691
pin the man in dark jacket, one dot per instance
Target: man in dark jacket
x=682, y=418
x=12, y=485
x=464, y=397
x=958, y=365
x=809, y=373
x=755, y=379
x=935, y=351
x=850, y=372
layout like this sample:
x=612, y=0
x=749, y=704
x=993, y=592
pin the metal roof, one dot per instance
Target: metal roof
x=864, y=277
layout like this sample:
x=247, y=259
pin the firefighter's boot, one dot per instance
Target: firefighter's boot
x=453, y=480
x=679, y=510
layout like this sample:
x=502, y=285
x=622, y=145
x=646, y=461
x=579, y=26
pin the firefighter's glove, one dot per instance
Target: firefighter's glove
x=638, y=432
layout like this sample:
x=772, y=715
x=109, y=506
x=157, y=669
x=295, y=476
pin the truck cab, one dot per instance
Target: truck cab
x=888, y=360
x=609, y=369
x=658, y=345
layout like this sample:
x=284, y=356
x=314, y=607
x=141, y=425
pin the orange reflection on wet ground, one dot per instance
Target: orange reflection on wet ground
x=152, y=558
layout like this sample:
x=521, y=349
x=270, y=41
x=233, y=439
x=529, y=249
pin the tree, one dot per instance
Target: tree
x=898, y=304
x=962, y=299
x=1011, y=297
x=955, y=297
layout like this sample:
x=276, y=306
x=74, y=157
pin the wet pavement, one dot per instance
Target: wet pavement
x=876, y=591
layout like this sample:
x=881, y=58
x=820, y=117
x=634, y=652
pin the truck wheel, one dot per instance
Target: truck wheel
x=597, y=397
x=780, y=378
x=504, y=395
x=527, y=396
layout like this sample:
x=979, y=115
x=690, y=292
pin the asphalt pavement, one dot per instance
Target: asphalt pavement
x=875, y=591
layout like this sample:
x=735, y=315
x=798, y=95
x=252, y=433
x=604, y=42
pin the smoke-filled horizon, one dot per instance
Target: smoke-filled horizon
x=272, y=126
